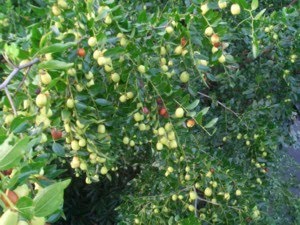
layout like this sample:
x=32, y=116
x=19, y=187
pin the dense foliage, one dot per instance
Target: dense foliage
x=161, y=112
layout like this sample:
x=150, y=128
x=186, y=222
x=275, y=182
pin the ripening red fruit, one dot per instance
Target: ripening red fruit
x=163, y=111
x=7, y=172
x=146, y=110
x=183, y=41
x=56, y=134
x=81, y=52
x=11, y=195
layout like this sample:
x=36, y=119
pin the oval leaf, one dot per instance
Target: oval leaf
x=55, y=65
x=49, y=199
x=58, y=47
x=211, y=123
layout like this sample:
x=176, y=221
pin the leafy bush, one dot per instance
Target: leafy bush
x=162, y=112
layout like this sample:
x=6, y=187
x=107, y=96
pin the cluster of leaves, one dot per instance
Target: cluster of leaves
x=191, y=94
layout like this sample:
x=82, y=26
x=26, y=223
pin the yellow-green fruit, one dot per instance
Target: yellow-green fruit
x=161, y=131
x=103, y=170
x=193, y=195
x=209, y=31
x=126, y=140
x=179, y=113
x=129, y=95
x=38, y=221
x=92, y=41
x=75, y=145
x=75, y=163
x=159, y=146
x=62, y=4
x=142, y=69
x=208, y=192
x=178, y=50
x=184, y=77
x=238, y=192
x=115, y=77
x=138, y=117
x=101, y=129
x=123, y=98
x=45, y=78
x=163, y=50
x=70, y=103
x=191, y=208
x=222, y=59
x=82, y=142
x=8, y=119
x=41, y=100
x=9, y=218
x=56, y=11
x=169, y=29
x=222, y=4
x=174, y=197
x=204, y=8
x=71, y=72
x=235, y=9
x=108, y=20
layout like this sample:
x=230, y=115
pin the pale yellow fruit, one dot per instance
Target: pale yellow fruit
x=45, y=78
x=193, y=195
x=169, y=29
x=209, y=31
x=179, y=113
x=108, y=20
x=204, y=8
x=75, y=145
x=222, y=59
x=129, y=95
x=235, y=9
x=208, y=192
x=41, y=100
x=123, y=98
x=55, y=10
x=238, y=192
x=222, y=4
x=178, y=50
x=92, y=41
x=163, y=50
x=174, y=197
x=141, y=69
x=184, y=77
x=22, y=190
x=70, y=103
x=159, y=146
x=101, y=129
x=126, y=140
x=103, y=170
x=9, y=217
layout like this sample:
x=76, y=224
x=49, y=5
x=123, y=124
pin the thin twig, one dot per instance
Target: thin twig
x=292, y=3
x=10, y=101
x=11, y=76
x=15, y=72
x=221, y=104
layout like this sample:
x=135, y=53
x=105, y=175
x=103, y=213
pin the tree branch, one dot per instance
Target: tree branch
x=221, y=104
x=10, y=101
x=15, y=72
x=11, y=76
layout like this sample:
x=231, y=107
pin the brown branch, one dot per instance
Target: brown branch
x=11, y=76
x=221, y=104
x=15, y=72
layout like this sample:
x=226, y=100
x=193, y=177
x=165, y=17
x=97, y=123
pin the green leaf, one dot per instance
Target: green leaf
x=55, y=65
x=58, y=149
x=204, y=111
x=102, y=102
x=58, y=47
x=211, y=123
x=259, y=15
x=193, y=105
x=25, y=207
x=114, y=51
x=10, y=156
x=19, y=124
x=50, y=199
x=254, y=4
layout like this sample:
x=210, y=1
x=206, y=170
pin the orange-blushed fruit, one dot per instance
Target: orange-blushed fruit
x=81, y=52
x=190, y=123
x=56, y=134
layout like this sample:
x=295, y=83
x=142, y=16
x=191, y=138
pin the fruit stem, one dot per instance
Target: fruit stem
x=11, y=205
